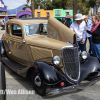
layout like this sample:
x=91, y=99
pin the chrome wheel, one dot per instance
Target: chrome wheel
x=39, y=85
x=38, y=80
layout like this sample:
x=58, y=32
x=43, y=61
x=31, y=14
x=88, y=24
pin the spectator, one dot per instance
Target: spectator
x=65, y=23
x=68, y=21
x=95, y=32
x=3, y=25
x=89, y=36
x=79, y=28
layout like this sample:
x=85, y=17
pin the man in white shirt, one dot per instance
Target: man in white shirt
x=79, y=28
x=89, y=25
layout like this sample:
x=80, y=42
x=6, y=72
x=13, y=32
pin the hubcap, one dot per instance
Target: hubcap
x=38, y=80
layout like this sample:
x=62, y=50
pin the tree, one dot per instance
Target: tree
x=59, y=4
x=69, y=4
x=80, y=4
x=92, y=3
x=32, y=5
x=28, y=1
x=74, y=8
x=96, y=2
x=83, y=7
x=44, y=4
x=38, y=3
x=48, y=4
x=26, y=6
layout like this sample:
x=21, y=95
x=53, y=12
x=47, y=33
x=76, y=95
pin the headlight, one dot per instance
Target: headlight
x=84, y=55
x=56, y=60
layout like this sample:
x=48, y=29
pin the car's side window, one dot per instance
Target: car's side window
x=8, y=29
x=31, y=29
x=16, y=30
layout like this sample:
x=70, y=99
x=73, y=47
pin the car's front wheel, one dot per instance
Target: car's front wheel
x=2, y=82
x=39, y=85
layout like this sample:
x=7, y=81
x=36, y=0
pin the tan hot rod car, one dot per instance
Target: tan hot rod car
x=46, y=50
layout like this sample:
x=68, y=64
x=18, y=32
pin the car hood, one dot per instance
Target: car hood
x=64, y=33
x=44, y=41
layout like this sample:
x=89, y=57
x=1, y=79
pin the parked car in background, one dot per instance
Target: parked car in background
x=46, y=51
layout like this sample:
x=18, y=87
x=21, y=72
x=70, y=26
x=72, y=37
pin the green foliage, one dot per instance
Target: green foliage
x=83, y=5
x=27, y=1
x=26, y=6
x=38, y=3
x=44, y=4
x=83, y=0
x=48, y=5
x=91, y=3
x=59, y=4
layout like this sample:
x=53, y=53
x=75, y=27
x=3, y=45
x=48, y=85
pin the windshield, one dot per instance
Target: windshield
x=31, y=29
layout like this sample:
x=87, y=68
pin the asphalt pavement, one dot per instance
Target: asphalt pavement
x=16, y=82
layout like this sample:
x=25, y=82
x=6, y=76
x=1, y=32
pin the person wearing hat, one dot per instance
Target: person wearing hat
x=78, y=26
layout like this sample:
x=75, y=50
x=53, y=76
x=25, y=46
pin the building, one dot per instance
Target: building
x=63, y=14
x=43, y=13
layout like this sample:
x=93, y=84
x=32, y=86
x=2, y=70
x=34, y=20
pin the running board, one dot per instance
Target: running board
x=73, y=87
x=12, y=64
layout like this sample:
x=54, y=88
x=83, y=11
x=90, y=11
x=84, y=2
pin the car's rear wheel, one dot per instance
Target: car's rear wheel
x=39, y=85
x=2, y=82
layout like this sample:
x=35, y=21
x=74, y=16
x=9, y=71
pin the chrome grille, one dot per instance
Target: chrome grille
x=70, y=61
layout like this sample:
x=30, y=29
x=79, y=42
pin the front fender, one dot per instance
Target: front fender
x=90, y=66
x=49, y=74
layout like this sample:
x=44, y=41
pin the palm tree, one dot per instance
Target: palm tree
x=96, y=2
x=32, y=7
x=26, y=6
x=74, y=8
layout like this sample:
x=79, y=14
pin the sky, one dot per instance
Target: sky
x=12, y=4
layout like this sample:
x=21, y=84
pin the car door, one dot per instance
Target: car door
x=17, y=46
